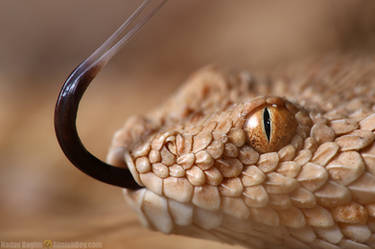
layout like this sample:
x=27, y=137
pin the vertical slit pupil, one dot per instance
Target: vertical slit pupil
x=267, y=123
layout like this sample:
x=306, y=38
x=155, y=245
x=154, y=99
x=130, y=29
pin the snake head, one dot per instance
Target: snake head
x=220, y=161
x=212, y=152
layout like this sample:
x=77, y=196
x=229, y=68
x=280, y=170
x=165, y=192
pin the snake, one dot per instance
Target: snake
x=283, y=161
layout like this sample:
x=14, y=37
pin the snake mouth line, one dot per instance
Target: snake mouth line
x=73, y=90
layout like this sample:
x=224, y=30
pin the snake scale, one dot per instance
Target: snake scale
x=268, y=162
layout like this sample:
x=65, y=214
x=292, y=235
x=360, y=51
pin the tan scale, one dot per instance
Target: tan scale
x=284, y=161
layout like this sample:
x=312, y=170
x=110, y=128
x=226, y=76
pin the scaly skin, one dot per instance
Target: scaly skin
x=207, y=174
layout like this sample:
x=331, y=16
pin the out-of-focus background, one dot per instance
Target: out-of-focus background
x=41, y=195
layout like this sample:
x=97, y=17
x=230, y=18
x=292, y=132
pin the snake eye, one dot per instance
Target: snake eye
x=270, y=128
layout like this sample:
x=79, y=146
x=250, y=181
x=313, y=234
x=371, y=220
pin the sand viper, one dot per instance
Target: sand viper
x=264, y=162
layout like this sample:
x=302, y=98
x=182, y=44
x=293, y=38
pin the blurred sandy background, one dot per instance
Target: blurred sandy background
x=41, y=195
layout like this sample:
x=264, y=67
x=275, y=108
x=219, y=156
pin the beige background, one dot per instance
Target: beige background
x=42, y=196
